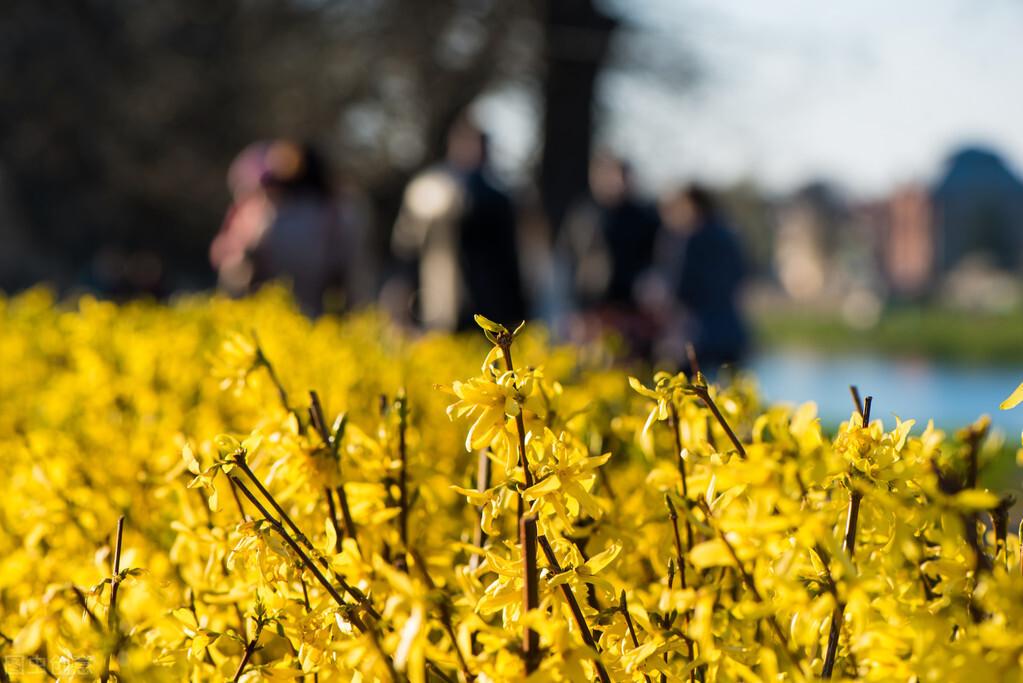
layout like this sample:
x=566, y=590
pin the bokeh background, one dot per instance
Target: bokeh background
x=865, y=154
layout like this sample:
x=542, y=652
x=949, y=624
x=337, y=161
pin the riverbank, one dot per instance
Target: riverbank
x=932, y=333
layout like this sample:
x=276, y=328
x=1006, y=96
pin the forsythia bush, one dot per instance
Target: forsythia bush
x=225, y=490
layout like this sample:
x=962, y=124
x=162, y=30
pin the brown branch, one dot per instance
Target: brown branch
x=310, y=563
x=573, y=604
x=482, y=484
x=680, y=561
x=751, y=586
x=402, y=403
x=530, y=591
x=250, y=648
x=445, y=615
x=704, y=393
x=848, y=546
x=332, y=512
x=115, y=582
x=623, y=607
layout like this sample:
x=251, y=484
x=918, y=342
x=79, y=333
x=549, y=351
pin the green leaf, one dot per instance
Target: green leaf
x=489, y=325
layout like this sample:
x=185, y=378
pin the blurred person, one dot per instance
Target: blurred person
x=700, y=268
x=244, y=222
x=605, y=246
x=457, y=234
x=289, y=226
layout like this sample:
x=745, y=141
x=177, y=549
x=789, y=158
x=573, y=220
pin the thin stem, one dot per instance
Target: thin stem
x=482, y=484
x=115, y=582
x=309, y=563
x=244, y=466
x=530, y=590
x=704, y=394
x=318, y=420
x=250, y=648
x=332, y=511
x=237, y=500
x=445, y=615
x=311, y=566
x=694, y=363
x=519, y=423
x=573, y=604
x=675, y=427
x=855, y=392
x=527, y=528
x=112, y=614
x=282, y=394
x=346, y=515
x=623, y=607
x=751, y=586
x=302, y=538
x=848, y=546
x=680, y=561
x=679, y=557
x=402, y=402
x=80, y=599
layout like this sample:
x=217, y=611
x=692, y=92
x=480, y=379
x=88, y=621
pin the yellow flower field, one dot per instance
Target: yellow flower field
x=333, y=500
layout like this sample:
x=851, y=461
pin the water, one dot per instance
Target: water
x=953, y=395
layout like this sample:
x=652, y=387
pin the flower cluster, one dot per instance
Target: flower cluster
x=226, y=490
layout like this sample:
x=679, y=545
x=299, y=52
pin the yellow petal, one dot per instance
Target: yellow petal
x=712, y=553
x=1015, y=398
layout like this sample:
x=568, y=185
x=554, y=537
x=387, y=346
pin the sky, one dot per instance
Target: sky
x=868, y=94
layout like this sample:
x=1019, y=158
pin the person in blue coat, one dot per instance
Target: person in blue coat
x=704, y=270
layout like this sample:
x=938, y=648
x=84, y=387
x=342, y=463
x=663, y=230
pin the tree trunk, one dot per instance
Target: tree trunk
x=577, y=36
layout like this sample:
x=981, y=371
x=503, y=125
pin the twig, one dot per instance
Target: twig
x=704, y=393
x=302, y=538
x=751, y=586
x=318, y=420
x=282, y=394
x=505, y=346
x=848, y=546
x=482, y=484
x=237, y=500
x=694, y=364
x=115, y=582
x=573, y=604
x=623, y=607
x=445, y=615
x=309, y=562
x=675, y=426
x=402, y=404
x=527, y=527
x=530, y=590
x=250, y=648
x=80, y=599
x=679, y=557
x=346, y=515
x=680, y=562
x=856, y=398
x=332, y=511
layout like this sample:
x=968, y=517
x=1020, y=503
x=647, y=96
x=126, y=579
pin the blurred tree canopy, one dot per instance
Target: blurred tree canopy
x=119, y=118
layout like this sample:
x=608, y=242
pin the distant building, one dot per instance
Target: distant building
x=808, y=224
x=978, y=208
x=908, y=242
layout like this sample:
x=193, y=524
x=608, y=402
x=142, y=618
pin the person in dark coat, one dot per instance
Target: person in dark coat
x=604, y=249
x=460, y=228
x=703, y=266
